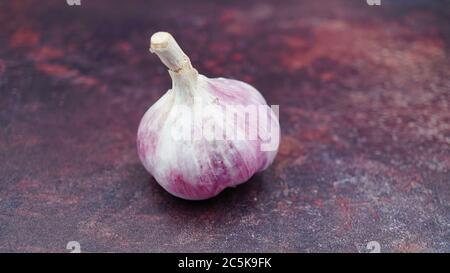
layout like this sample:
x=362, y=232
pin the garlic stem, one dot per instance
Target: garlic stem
x=170, y=53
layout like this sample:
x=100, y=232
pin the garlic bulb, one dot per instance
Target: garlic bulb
x=204, y=135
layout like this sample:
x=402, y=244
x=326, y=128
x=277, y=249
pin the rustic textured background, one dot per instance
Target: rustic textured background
x=364, y=96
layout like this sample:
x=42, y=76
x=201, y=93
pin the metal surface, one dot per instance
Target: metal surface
x=364, y=95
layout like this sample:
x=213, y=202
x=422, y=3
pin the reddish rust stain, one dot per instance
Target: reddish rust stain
x=290, y=146
x=247, y=79
x=228, y=15
x=237, y=57
x=319, y=133
x=235, y=21
x=318, y=203
x=213, y=66
x=64, y=72
x=123, y=47
x=295, y=42
x=45, y=53
x=43, y=57
x=411, y=245
x=327, y=76
x=345, y=213
x=87, y=81
x=24, y=37
x=210, y=64
x=57, y=70
x=2, y=66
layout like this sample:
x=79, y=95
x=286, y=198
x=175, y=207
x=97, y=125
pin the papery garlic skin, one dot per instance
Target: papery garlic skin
x=200, y=168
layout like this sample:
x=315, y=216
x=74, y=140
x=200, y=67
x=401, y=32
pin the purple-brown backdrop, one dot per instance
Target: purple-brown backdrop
x=364, y=95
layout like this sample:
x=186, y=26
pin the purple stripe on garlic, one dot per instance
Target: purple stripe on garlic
x=204, y=135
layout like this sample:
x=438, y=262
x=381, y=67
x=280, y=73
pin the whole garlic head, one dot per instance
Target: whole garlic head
x=204, y=135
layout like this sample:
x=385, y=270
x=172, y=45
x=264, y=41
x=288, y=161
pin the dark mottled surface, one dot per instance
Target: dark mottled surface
x=364, y=95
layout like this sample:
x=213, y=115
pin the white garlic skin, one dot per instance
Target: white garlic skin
x=197, y=169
